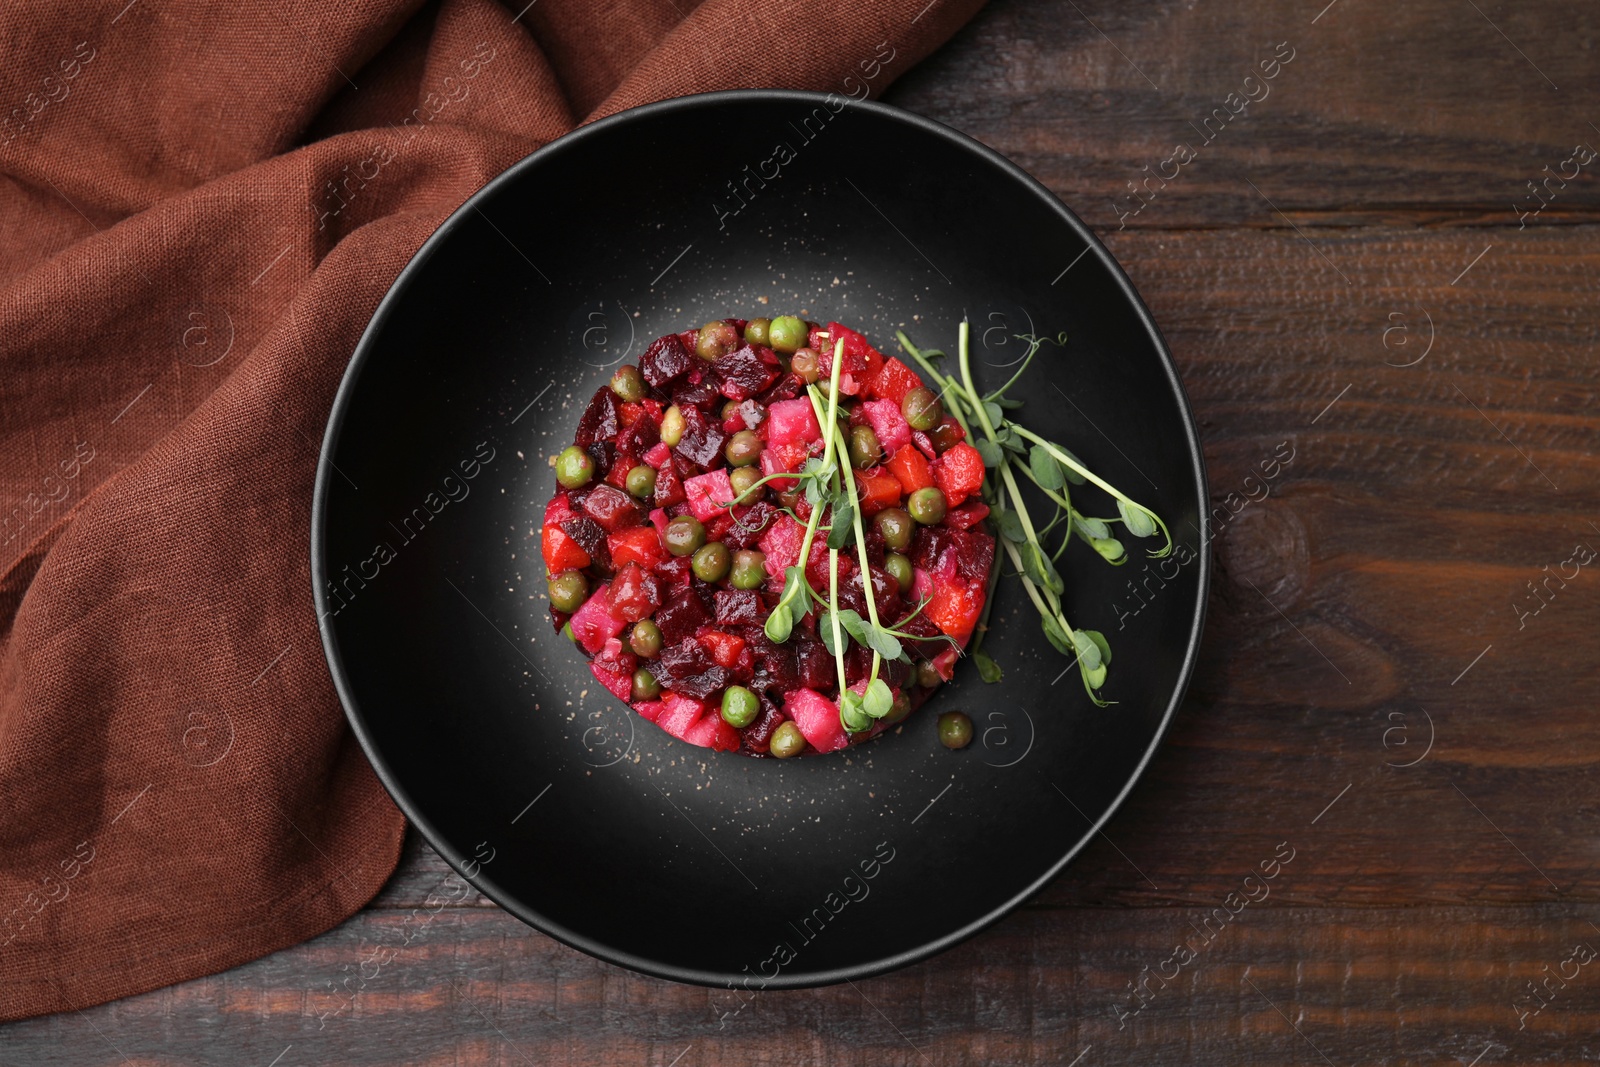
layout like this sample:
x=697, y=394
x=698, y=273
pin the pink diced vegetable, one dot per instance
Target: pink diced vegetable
x=789, y=421
x=818, y=719
x=707, y=493
x=888, y=423
x=593, y=623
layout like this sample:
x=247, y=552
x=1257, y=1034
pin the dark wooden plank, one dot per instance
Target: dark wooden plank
x=1421, y=112
x=1385, y=985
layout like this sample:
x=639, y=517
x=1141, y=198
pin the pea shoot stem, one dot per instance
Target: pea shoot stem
x=1067, y=461
x=827, y=463
x=847, y=473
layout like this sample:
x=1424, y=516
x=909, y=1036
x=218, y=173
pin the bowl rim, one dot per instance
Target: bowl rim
x=349, y=384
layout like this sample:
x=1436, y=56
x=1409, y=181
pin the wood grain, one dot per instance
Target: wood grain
x=1341, y=272
x=1424, y=112
x=1278, y=985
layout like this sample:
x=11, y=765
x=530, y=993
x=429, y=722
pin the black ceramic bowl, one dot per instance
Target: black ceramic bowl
x=559, y=802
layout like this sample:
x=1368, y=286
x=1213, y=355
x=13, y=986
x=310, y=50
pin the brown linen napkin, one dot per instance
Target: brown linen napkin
x=185, y=266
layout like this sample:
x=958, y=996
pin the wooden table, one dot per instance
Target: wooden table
x=1397, y=682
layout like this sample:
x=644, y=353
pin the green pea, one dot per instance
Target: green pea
x=711, y=562
x=864, y=448
x=568, y=590
x=787, y=333
x=755, y=331
x=899, y=709
x=628, y=383
x=928, y=675
x=926, y=505
x=574, y=468
x=744, y=479
x=645, y=686
x=899, y=568
x=955, y=730
x=684, y=535
x=739, y=706
x=672, y=427
x=945, y=436
x=716, y=338
x=641, y=481
x=743, y=448
x=896, y=527
x=807, y=365
x=749, y=569
x=787, y=741
x=922, y=408
x=645, y=640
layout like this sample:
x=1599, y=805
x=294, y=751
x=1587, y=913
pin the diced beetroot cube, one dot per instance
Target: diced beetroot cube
x=612, y=508
x=921, y=584
x=679, y=713
x=674, y=572
x=746, y=371
x=974, y=554
x=657, y=454
x=888, y=423
x=664, y=360
x=641, y=436
x=687, y=667
x=813, y=664
x=818, y=719
x=601, y=420
x=739, y=606
x=757, y=737
x=701, y=386
x=707, y=493
x=650, y=709
x=681, y=615
x=787, y=387
x=791, y=421
x=945, y=663
x=752, y=522
x=620, y=685
x=593, y=623
x=702, y=438
x=669, y=486
x=713, y=733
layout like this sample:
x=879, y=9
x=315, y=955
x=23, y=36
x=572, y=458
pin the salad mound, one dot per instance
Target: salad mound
x=768, y=537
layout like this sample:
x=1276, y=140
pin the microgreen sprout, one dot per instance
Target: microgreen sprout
x=1009, y=448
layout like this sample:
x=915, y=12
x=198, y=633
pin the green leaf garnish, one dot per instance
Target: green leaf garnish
x=878, y=699
x=1139, y=522
x=843, y=516
x=779, y=624
x=988, y=669
x=1046, y=471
